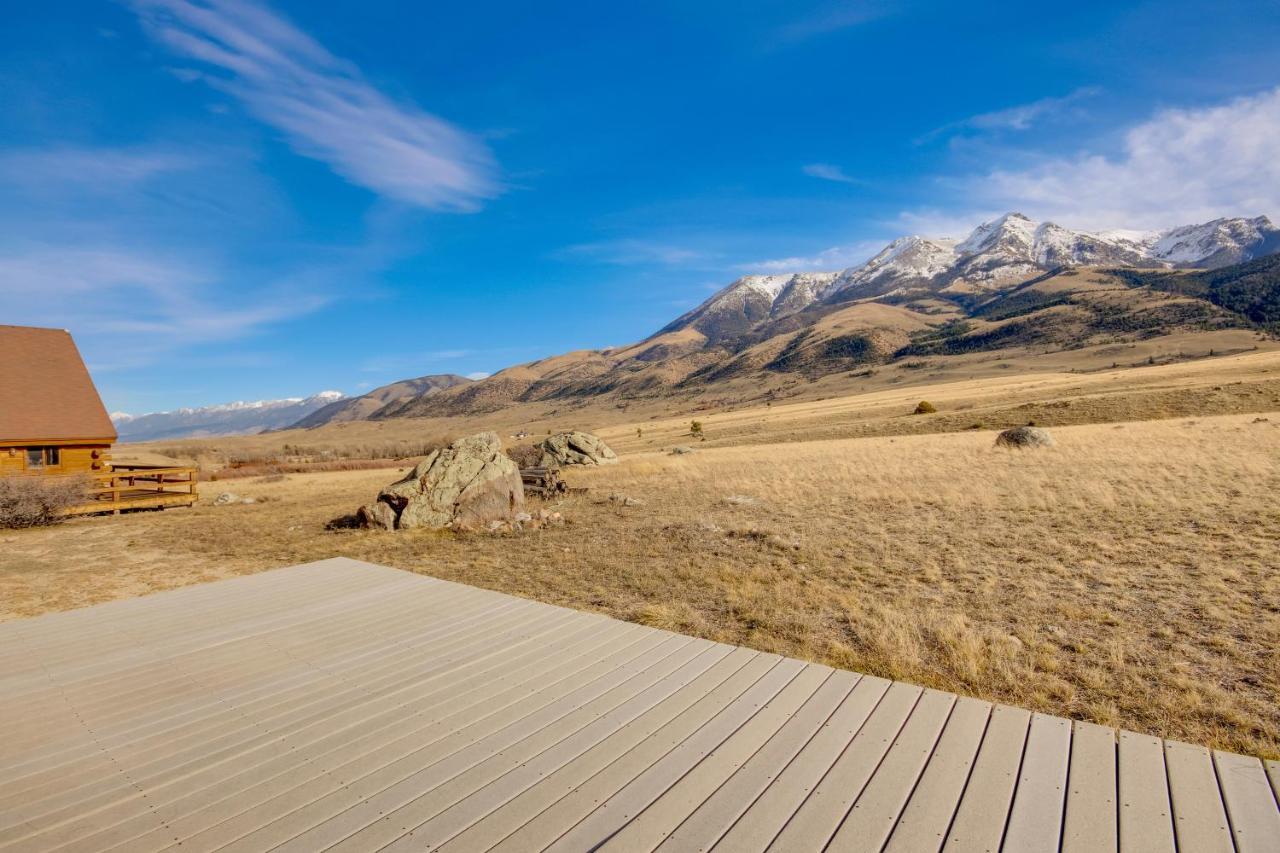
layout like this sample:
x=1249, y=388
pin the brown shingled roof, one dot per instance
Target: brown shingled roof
x=45, y=390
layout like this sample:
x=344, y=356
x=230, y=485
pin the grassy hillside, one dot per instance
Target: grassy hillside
x=1250, y=291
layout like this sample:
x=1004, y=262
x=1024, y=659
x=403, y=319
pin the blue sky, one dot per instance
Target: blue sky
x=228, y=199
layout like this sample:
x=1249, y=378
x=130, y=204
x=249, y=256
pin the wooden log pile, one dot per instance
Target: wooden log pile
x=543, y=482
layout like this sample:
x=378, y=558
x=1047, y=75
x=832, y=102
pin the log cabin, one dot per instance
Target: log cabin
x=52, y=421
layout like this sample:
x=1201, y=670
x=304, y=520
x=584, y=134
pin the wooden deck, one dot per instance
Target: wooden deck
x=343, y=706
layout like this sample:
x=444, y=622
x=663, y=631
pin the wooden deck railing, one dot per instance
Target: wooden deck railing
x=140, y=487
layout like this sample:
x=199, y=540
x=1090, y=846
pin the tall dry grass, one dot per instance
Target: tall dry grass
x=1129, y=575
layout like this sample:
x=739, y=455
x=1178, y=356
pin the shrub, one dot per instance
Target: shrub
x=925, y=408
x=34, y=501
x=524, y=455
x=695, y=428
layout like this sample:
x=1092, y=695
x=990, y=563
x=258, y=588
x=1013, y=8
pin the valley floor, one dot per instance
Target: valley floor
x=1129, y=576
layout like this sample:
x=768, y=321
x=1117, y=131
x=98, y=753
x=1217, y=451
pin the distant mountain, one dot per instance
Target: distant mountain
x=1010, y=283
x=368, y=405
x=240, y=418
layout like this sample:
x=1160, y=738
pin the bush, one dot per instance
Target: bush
x=925, y=408
x=34, y=501
x=524, y=455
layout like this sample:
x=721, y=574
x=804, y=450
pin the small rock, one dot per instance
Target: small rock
x=624, y=500
x=681, y=450
x=1024, y=436
x=523, y=516
x=1261, y=420
x=741, y=500
x=226, y=498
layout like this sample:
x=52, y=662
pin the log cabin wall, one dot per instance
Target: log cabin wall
x=79, y=458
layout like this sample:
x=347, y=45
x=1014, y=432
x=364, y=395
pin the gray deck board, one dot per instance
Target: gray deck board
x=344, y=706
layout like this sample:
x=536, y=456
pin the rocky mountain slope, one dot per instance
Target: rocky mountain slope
x=367, y=405
x=1011, y=284
x=240, y=418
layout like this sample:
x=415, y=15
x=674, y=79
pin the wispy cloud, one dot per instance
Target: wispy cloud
x=323, y=106
x=137, y=304
x=1020, y=117
x=631, y=252
x=827, y=260
x=828, y=172
x=832, y=17
x=90, y=169
x=1179, y=166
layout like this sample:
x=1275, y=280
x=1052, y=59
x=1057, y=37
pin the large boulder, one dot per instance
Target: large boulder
x=467, y=485
x=1024, y=436
x=575, y=448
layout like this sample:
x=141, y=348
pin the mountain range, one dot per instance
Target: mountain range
x=1011, y=284
x=240, y=418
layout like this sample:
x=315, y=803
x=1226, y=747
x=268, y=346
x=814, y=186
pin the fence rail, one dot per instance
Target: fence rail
x=127, y=487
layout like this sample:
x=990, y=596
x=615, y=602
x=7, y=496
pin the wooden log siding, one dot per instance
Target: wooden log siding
x=344, y=706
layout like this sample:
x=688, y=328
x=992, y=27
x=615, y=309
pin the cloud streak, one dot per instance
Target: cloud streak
x=632, y=252
x=1179, y=166
x=832, y=17
x=134, y=303
x=322, y=105
x=827, y=260
x=828, y=172
x=1018, y=118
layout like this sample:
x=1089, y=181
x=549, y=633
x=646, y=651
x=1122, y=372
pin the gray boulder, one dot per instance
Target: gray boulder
x=465, y=486
x=575, y=448
x=1024, y=436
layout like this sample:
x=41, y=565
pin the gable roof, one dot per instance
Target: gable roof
x=45, y=390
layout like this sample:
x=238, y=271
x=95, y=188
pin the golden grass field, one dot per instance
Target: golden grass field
x=1129, y=576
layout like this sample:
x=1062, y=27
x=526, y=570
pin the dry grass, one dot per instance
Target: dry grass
x=1128, y=576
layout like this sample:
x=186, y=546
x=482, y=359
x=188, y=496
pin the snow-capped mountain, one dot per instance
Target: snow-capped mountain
x=752, y=299
x=996, y=254
x=238, y=418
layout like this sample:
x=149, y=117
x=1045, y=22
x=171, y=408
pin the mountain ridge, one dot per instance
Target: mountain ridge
x=236, y=418
x=1011, y=284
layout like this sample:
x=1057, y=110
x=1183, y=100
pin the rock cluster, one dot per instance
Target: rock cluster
x=468, y=485
x=575, y=448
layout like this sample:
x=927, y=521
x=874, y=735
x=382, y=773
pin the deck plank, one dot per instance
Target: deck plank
x=922, y=828
x=980, y=820
x=1090, y=823
x=1199, y=819
x=876, y=809
x=813, y=825
x=1250, y=803
x=1146, y=822
x=1035, y=821
x=340, y=705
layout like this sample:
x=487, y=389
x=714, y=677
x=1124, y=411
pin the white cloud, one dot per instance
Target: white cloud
x=629, y=252
x=1020, y=117
x=134, y=304
x=828, y=172
x=828, y=260
x=1179, y=166
x=323, y=106
x=88, y=169
x=832, y=17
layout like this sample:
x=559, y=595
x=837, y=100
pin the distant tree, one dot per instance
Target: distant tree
x=639, y=432
x=695, y=429
x=925, y=408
